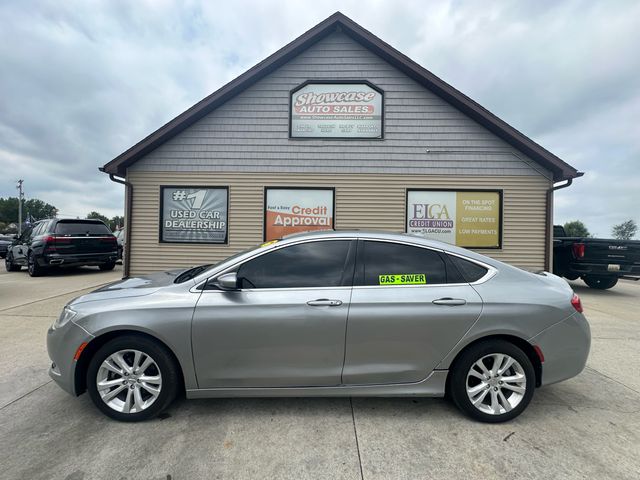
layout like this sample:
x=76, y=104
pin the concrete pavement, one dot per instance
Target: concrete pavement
x=587, y=427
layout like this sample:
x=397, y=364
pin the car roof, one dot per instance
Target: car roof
x=389, y=236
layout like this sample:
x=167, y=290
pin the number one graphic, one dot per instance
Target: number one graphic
x=198, y=198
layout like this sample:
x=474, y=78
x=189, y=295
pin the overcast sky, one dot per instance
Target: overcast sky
x=83, y=81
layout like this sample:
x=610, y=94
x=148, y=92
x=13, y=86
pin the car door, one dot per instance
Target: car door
x=285, y=324
x=20, y=248
x=405, y=315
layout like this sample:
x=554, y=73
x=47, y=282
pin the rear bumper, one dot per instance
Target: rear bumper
x=565, y=347
x=602, y=269
x=75, y=260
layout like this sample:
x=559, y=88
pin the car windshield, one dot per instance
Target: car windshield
x=195, y=271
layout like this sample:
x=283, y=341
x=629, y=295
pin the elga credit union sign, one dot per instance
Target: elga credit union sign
x=336, y=110
x=296, y=210
x=463, y=218
x=193, y=214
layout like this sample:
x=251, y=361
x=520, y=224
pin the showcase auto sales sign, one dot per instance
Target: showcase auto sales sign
x=336, y=110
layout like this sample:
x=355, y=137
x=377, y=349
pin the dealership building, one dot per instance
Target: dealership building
x=337, y=130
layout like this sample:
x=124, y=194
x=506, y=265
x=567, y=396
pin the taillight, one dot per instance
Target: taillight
x=577, y=304
x=109, y=239
x=578, y=250
x=51, y=242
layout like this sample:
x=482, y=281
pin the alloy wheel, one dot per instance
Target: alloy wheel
x=129, y=381
x=496, y=384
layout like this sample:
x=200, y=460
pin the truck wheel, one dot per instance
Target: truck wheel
x=601, y=283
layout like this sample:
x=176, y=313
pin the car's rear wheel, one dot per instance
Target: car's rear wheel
x=132, y=378
x=33, y=268
x=601, y=283
x=9, y=265
x=107, y=266
x=492, y=381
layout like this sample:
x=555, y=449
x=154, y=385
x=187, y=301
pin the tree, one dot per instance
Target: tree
x=98, y=216
x=35, y=208
x=576, y=229
x=116, y=222
x=625, y=231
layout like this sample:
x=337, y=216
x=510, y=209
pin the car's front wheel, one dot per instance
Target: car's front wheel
x=492, y=381
x=132, y=378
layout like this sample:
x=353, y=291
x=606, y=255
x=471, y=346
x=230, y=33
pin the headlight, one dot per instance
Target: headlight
x=66, y=315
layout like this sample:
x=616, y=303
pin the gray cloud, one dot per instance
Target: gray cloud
x=83, y=81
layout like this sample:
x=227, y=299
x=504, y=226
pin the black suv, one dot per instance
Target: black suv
x=66, y=243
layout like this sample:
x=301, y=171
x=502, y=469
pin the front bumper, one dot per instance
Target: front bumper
x=62, y=344
x=565, y=347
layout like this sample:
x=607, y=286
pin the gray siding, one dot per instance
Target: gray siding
x=423, y=134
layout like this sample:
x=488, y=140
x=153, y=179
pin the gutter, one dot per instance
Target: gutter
x=127, y=220
x=548, y=258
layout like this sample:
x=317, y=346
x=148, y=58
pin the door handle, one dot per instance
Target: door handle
x=452, y=302
x=324, y=302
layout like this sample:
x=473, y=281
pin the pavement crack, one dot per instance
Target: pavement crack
x=26, y=394
x=54, y=296
x=355, y=431
x=612, y=379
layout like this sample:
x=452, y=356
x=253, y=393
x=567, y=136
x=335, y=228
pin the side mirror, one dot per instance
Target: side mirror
x=228, y=281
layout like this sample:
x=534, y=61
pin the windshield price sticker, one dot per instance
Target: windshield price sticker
x=403, y=279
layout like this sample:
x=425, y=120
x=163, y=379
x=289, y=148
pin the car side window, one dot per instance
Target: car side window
x=472, y=272
x=386, y=263
x=37, y=230
x=313, y=264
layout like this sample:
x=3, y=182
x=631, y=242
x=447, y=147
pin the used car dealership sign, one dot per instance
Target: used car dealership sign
x=336, y=110
x=193, y=214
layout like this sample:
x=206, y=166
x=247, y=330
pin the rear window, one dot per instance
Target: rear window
x=472, y=272
x=82, y=228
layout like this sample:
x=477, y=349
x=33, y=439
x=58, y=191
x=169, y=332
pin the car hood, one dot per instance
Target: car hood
x=131, y=287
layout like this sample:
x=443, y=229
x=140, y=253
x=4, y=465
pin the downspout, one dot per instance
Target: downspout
x=548, y=250
x=127, y=221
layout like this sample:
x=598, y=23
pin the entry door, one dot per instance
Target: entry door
x=404, y=316
x=284, y=327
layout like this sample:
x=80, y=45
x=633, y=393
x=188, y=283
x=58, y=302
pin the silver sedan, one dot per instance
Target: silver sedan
x=324, y=314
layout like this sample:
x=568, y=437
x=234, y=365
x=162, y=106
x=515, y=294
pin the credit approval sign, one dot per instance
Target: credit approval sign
x=297, y=210
x=336, y=110
x=464, y=218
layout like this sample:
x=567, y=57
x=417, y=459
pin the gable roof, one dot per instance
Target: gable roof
x=339, y=22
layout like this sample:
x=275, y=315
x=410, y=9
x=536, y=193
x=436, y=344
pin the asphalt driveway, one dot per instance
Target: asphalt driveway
x=587, y=427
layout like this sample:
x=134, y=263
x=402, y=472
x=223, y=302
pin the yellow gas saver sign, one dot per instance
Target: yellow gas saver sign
x=402, y=279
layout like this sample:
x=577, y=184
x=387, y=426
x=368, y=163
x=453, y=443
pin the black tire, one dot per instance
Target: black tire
x=9, y=265
x=33, y=268
x=600, y=283
x=107, y=266
x=165, y=362
x=462, y=366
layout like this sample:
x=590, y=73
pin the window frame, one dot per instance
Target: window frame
x=351, y=252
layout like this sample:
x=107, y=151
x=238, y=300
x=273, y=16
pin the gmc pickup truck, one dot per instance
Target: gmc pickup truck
x=599, y=262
